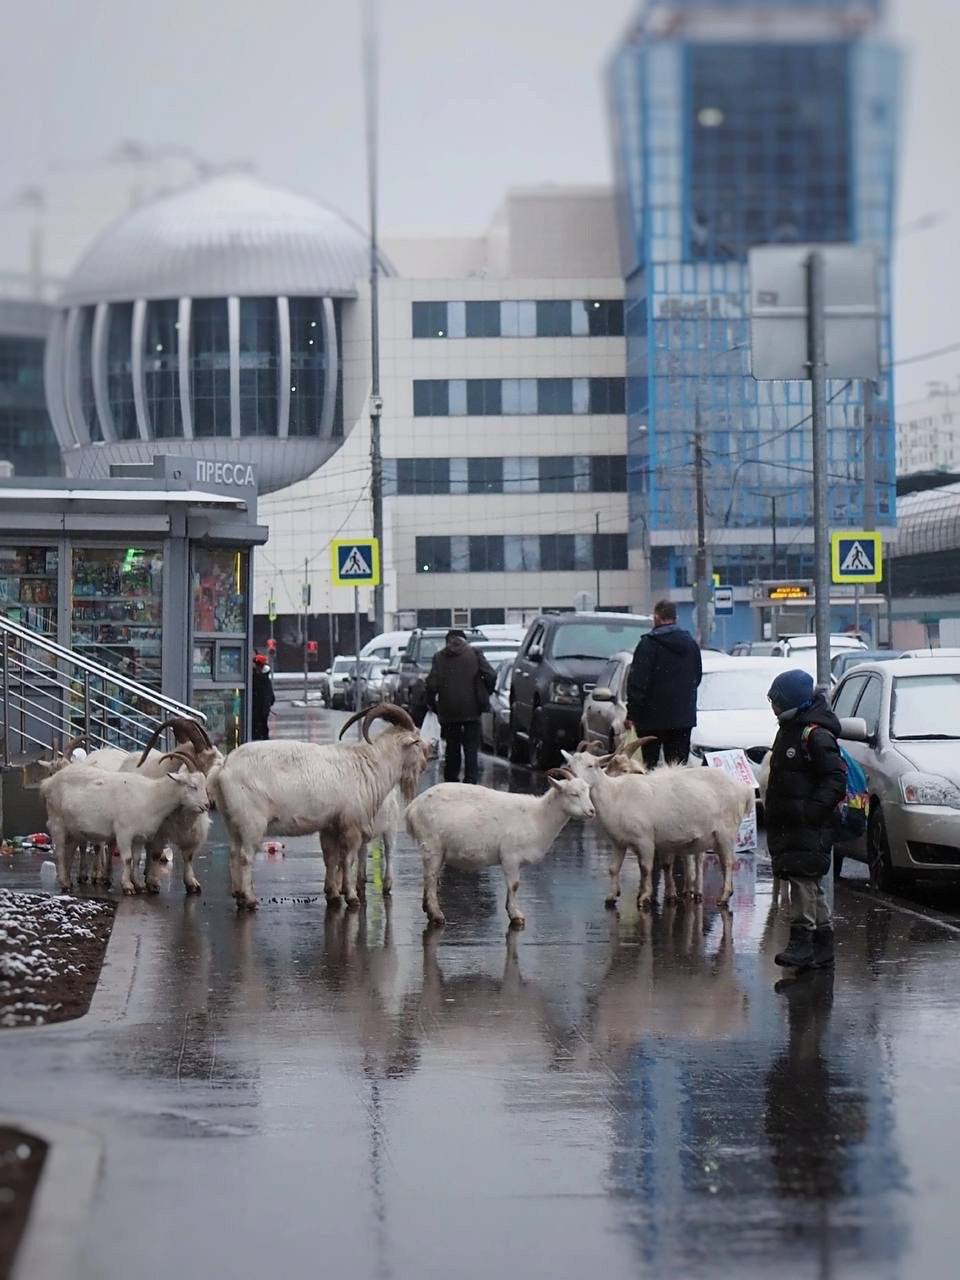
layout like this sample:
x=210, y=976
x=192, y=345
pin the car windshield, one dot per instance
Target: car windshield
x=926, y=707
x=596, y=639
x=429, y=645
x=495, y=653
x=734, y=691
x=344, y=664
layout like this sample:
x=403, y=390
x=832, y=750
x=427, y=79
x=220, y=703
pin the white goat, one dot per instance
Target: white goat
x=385, y=826
x=672, y=812
x=287, y=788
x=89, y=805
x=473, y=827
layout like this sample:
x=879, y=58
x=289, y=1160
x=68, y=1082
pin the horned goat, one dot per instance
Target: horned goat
x=473, y=827
x=672, y=812
x=90, y=805
x=286, y=788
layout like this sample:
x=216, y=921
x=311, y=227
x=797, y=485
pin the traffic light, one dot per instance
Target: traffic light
x=271, y=645
x=312, y=646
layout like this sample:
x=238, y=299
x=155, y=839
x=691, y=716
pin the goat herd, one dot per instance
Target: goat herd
x=351, y=793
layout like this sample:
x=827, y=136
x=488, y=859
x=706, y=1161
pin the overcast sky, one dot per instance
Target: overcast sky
x=476, y=97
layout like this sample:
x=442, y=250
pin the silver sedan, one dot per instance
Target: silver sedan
x=910, y=751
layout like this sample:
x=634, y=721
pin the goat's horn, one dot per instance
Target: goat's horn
x=559, y=773
x=73, y=744
x=188, y=732
x=392, y=714
x=606, y=759
x=155, y=738
x=180, y=755
x=357, y=715
x=584, y=745
x=642, y=742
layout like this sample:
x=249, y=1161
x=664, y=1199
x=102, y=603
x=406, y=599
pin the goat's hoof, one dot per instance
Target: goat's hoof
x=353, y=904
x=82, y=880
x=195, y=887
x=670, y=897
x=387, y=888
x=152, y=886
x=611, y=902
x=644, y=904
x=130, y=890
x=438, y=921
x=246, y=904
x=517, y=922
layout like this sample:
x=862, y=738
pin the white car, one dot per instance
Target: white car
x=388, y=645
x=791, y=646
x=732, y=708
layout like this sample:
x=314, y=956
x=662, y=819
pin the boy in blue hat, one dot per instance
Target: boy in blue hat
x=807, y=782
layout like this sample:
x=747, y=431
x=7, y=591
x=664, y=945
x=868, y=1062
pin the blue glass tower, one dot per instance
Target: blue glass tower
x=737, y=123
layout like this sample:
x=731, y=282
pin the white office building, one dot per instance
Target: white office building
x=928, y=431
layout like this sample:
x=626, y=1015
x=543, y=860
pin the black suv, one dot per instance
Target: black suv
x=558, y=664
x=414, y=662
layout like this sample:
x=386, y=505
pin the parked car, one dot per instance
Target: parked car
x=605, y=706
x=414, y=664
x=909, y=711
x=557, y=666
x=495, y=651
x=338, y=680
x=790, y=646
x=841, y=663
x=733, y=710
x=495, y=722
x=388, y=645
x=752, y=649
x=371, y=683
x=512, y=632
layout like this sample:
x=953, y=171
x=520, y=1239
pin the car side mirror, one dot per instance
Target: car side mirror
x=535, y=655
x=854, y=729
x=408, y=665
x=392, y=671
x=602, y=694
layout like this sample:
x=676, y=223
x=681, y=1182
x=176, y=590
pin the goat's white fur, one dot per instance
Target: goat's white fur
x=473, y=827
x=90, y=805
x=672, y=812
x=286, y=788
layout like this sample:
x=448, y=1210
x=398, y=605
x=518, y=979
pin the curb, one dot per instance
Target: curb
x=59, y=1214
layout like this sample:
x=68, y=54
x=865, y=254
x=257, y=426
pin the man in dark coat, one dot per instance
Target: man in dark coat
x=262, y=699
x=458, y=689
x=662, y=689
x=808, y=779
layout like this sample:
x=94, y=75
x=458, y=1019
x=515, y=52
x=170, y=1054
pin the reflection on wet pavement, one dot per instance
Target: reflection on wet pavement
x=609, y=1093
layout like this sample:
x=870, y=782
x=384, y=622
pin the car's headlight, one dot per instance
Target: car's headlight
x=927, y=788
x=567, y=691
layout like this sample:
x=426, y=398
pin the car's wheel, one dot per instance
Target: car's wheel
x=541, y=751
x=518, y=746
x=883, y=874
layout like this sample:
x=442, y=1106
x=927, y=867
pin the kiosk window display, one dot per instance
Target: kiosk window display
x=28, y=587
x=220, y=649
x=117, y=615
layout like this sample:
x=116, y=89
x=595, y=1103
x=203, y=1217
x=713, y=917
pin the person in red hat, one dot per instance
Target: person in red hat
x=263, y=697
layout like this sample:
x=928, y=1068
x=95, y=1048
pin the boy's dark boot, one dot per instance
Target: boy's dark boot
x=799, y=950
x=823, y=956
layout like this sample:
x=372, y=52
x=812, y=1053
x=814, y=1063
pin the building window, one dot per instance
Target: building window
x=28, y=584
x=433, y=555
x=487, y=617
x=553, y=319
x=120, y=371
x=486, y=554
x=483, y=319
x=554, y=395
x=608, y=473
x=556, y=474
x=431, y=398
x=484, y=397
x=610, y=551
x=423, y=475
x=88, y=403
x=160, y=370
x=430, y=320
x=308, y=364
x=598, y=318
x=519, y=396
x=485, y=475
x=259, y=367
x=209, y=367
x=433, y=617
x=607, y=395
x=557, y=552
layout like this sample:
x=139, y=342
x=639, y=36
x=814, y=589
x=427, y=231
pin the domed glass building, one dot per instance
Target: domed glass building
x=211, y=318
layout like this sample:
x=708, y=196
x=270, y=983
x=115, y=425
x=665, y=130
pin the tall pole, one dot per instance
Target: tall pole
x=356, y=646
x=596, y=560
x=371, y=74
x=702, y=571
x=773, y=536
x=306, y=605
x=869, y=458
x=817, y=364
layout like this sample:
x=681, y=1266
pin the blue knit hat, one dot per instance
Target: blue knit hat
x=792, y=691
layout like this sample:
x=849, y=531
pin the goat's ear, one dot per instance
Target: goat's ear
x=556, y=783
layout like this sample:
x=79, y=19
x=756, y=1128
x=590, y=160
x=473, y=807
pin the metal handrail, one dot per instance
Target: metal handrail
x=46, y=687
x=38, y=641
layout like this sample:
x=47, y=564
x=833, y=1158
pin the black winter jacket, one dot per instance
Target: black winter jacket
x=460, y=683
x=263, y=697
x=806, y=785
x=666, y=672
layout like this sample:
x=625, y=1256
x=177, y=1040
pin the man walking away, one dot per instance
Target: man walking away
x=458, y=690
x=808, y=780
x=662, y=689
x=263, y=698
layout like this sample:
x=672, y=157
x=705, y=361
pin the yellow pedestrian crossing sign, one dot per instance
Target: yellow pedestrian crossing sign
x=355, y=562
x=856, y=556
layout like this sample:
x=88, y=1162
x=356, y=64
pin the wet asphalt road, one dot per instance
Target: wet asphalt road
x=302, y=1091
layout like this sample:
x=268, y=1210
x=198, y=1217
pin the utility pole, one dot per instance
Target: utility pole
x=596, y=561
x=306, y=606
x=773, y=536
x=817, y=364
x=371, y=71
x=869, y=482
x=702, y=569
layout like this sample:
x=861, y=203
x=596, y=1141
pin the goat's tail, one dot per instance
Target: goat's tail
x=213, y=785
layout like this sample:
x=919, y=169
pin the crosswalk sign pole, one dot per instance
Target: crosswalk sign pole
x=356, y=639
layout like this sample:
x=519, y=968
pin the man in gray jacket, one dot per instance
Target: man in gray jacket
x=458, y=691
